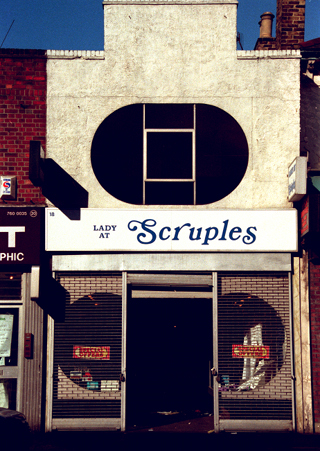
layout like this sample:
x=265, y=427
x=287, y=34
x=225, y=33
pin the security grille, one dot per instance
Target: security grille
x=10, y=286
x=254, y=347
x=87, y=347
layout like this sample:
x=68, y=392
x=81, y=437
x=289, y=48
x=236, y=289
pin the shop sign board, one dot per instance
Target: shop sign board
x=252, y=352
x=297, y=179
x=310, y=214
x=173, y=230
x=20, y=232
x=305, y=216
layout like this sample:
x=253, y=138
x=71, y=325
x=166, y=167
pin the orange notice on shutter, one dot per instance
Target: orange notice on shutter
x=252, y=352
x=91, y=352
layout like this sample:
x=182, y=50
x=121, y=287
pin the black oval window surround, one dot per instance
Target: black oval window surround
x=169, y=154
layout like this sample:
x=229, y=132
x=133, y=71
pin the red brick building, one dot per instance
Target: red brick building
x=22, y=119
x=22, y=116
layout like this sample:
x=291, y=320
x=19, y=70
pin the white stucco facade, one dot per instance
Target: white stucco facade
x=177, y=52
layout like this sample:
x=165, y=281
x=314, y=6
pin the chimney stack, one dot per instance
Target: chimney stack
x=290, y=24
x=265, y=40
x=266, y=25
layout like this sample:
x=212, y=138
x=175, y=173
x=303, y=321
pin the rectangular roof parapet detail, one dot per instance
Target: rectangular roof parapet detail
x=73, y=54
x=274, y=54
x=169, y=2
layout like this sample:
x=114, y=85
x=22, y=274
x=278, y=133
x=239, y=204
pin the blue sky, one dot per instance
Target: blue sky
x=78, y=24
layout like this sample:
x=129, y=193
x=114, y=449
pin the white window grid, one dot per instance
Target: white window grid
x=169, y=130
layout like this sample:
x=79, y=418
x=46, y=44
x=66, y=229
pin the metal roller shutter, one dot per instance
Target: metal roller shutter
x=10, y=286
x=87, y=347
x=254, y=349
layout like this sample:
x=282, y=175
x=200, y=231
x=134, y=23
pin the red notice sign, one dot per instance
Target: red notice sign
x=305, y=216
x=91, y=352
x=253, y=352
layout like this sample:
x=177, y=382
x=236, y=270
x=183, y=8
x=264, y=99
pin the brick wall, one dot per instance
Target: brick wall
x=22, y=117
x=85, y=285
x=290, y=24
x=266, y=44
x=315, y=336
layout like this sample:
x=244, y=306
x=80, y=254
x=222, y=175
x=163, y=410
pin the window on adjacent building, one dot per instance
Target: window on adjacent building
x=169, y=154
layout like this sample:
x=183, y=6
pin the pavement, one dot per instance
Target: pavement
x=167, y=441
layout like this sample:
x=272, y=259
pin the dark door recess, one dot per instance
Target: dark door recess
x=169, y=354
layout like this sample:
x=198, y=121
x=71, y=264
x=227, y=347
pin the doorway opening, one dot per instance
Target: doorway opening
x=169, y=361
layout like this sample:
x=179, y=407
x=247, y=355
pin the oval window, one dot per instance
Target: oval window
x=169, y=154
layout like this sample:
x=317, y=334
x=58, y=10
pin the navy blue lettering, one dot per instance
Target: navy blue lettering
x=207, y=237
x=250, y=238
x=161, y=233
x=105, y=228
x=232, y=233
x=223, y=237
x=292, y=170
x=292, y=187
x=198, y=234
x=177, y=229
x=145, y=226
x=148, y=235
x=104, y=235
